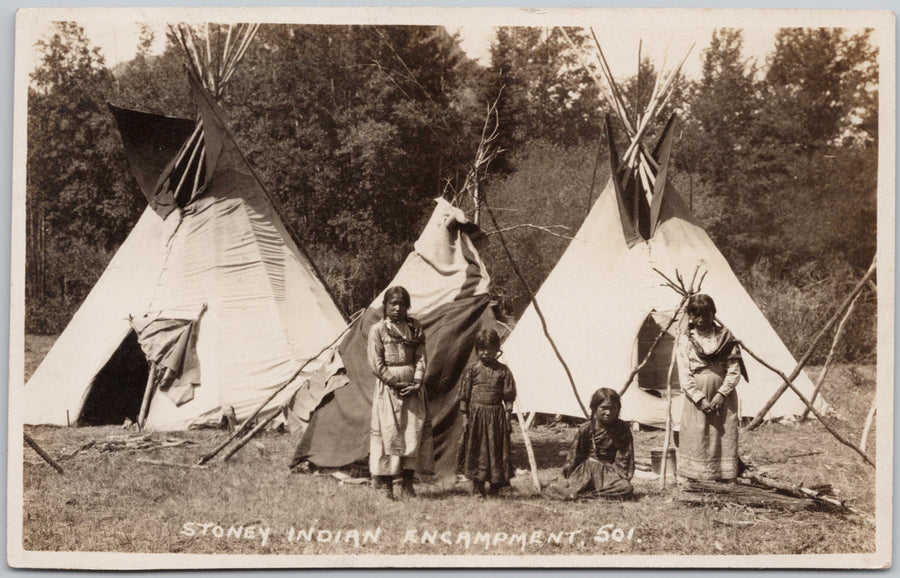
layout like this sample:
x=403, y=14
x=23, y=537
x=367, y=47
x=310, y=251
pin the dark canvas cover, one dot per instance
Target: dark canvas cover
x=151, y=142
x=338, y=433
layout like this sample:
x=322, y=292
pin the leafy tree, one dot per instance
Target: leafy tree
x=76, y=209
x=722, y=109
x=818, y=78
x=546, y=94
x=355, y=129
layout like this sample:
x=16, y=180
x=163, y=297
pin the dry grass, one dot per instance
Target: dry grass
x=109, y=501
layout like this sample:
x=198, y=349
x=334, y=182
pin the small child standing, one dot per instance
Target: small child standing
x=486, y=394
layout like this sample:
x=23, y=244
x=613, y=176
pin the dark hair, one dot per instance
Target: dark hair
x=487, y=339
x=395, y=291
x=605, y=394
x=701, y=303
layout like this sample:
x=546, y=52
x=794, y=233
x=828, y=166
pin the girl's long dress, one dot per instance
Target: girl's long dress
x=600, y=463
x=401, y=437
x=708, y=443
x=485, y=454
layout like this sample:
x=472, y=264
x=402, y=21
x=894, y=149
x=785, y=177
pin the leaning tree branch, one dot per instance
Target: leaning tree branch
x=537, y=309
x=828, y=325
x=808, y=404
x=839, y=332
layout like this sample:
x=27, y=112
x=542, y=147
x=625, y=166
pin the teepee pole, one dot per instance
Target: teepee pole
x=834, y=342
x=532, y=463
x=189, y=143
x=199, y=170
x=197, y=146
x=788, y=382
x=246, y=425
x=148, y=395
x=537, y=310
x=663, y=474
x=828, y=325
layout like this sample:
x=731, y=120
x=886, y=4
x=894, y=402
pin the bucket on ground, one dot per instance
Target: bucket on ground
x=656, y=461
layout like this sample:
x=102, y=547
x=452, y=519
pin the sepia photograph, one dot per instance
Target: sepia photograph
x=451, y=287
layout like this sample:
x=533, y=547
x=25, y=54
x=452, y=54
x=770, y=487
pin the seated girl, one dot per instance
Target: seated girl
x=601, y=458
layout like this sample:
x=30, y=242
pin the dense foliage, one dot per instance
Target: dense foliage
x=355, y=129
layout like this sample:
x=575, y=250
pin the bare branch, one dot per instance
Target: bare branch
x=545, y=229
x=788, y=382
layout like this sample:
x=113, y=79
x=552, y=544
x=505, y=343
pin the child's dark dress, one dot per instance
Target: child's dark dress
x=600, y=463
x=484, y=455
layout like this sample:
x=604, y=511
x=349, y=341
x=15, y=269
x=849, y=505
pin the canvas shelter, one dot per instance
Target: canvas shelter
x=209, y=289
x=604, y=305
x=448, y=286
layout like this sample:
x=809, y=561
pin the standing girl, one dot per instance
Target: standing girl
x=486, y=395
x=401, y=442
x=709, y=368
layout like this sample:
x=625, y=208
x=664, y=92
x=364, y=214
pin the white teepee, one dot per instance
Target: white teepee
x=209, y=285
x=599, y=297
x=604, y=302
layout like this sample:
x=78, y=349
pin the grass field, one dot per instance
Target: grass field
x=111, y=501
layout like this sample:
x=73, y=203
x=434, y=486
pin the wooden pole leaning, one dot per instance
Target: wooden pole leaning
x=537, y=310
x=828, y=325
x=868, y=425
x=40, y=451
x=148, y=396
x=808, y=404
x=251, y=434
x=663, y=466
x=653, y=345
x=532, y=462
x=246, y=424
x=834, y=342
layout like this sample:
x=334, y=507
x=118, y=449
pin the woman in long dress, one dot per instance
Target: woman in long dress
x=401, y=440
x=709, y=368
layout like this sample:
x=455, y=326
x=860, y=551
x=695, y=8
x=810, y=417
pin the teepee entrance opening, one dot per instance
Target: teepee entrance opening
x=117, y=389
x=652, y=377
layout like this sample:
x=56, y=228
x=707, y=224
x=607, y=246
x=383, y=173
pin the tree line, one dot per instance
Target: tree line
x=354, y=129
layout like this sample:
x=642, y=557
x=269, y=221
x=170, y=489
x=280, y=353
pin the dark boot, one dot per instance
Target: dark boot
x=478, y=489
x=493, y=491
x=385, y=484
x=406, y=484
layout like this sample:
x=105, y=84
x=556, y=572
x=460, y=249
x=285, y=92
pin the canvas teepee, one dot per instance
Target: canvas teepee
x=604, y=303
x=448, y=286
x=209, y=292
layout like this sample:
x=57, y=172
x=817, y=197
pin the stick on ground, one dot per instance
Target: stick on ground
x=34, y=445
